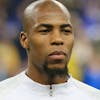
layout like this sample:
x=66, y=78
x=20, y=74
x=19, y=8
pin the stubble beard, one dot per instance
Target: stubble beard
x=56, y=72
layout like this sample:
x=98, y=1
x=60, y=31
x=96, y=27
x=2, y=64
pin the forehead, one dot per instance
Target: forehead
x=53, y=17
x=47, y=13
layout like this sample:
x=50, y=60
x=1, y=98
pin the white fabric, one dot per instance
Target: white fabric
x=21, y=87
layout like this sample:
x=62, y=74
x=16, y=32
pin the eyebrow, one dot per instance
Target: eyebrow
x=50, y=26
x=45, y=25
x=66, y=25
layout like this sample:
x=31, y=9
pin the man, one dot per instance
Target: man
x=48, y=39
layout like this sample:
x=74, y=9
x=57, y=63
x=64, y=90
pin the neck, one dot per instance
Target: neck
x=42, y=78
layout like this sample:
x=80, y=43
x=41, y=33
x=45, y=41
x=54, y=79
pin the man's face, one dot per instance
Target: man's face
x=50, y=40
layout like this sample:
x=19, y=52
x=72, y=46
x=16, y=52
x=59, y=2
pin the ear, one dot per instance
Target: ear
x=24, y=40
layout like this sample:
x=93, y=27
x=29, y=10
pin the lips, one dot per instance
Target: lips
x=57, y=55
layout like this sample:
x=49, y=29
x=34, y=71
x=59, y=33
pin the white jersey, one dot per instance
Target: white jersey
x=21, y=87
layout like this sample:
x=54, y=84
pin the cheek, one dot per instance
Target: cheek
x=69, y=44
x=38, y=45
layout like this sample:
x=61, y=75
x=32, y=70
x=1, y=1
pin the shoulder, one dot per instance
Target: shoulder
x=9, y=85
x=92, y=92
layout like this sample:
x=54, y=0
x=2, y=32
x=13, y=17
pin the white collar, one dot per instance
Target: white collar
x=45, y=89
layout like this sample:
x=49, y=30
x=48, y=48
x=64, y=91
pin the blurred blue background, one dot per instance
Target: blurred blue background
x=85, y=60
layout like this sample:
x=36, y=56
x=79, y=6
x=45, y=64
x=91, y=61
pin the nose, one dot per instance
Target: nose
x=57, y=39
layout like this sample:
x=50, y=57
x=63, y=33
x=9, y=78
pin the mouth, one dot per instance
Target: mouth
x=57, y=55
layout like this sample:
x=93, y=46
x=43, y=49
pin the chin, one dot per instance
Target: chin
x=53, y=70
x=56, y=66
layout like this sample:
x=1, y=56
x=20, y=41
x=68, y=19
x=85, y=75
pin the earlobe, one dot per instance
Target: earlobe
x=24, y=40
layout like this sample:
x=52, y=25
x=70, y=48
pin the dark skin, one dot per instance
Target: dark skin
x=48, y=39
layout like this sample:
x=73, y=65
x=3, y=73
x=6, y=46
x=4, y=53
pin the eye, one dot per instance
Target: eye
x=66, y=31
x=44, y=31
